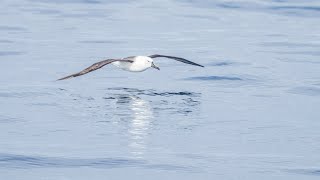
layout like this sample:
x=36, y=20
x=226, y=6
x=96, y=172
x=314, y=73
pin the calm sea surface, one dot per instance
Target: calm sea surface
x=252, y=113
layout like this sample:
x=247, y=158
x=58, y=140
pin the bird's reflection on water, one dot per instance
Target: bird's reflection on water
x=140, y=125
x=140, y=108
x=139, y=121
x=141, y=115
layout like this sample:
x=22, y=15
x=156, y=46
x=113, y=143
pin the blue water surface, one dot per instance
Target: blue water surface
x=251, y=113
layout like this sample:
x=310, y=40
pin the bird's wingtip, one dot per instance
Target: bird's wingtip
x=199, y=65
x=61, y=79
x=67, y=77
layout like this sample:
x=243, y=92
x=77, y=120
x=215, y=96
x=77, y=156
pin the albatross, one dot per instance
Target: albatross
x=132, y=64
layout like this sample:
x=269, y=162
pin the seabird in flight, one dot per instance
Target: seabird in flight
x=132, y=63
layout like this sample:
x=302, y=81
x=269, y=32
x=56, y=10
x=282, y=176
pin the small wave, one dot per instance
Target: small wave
x=9, y=119
x=81, y=1
x=224, y=63
x=315, y=172
x=289, y=44
x=100, y=42
x=305, y=8
x=21, y=161
x=310, y=53
x=5, y=41
x=10, y=53
x=72, y=1
x=215, y=78
x=310, y=91
x=22, y=94
x=12, y=28
x=287, y=8
x=27, y=162
x=43, y=11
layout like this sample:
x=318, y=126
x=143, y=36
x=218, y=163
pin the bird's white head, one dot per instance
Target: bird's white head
x=146, y=62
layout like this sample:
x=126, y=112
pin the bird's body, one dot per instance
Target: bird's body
x=132, y=64
x=139, y=64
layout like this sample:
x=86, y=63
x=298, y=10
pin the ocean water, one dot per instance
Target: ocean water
x=251, y=113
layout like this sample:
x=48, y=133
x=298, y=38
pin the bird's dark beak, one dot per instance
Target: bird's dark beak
x=154, y=66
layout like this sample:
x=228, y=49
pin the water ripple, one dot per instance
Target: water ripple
x=311, y=171
x=310, y=91
x=280, y=7
x=81, y=1
x=5, y=41
x=289, y=44
x=71, y=1
x=10, y=53
x=215, y=78
x=28, y=162
x=12, y=28
x=9, y=119
x=152, y=92
x=101, y=42
x=305, y=8
x=223, y=63
x=22, y=94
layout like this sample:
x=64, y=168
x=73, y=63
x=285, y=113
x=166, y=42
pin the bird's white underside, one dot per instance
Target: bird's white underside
x=140, y=63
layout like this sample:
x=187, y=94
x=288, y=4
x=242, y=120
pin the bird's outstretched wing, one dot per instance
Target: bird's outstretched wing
x=176, y=58
x=94, y=67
